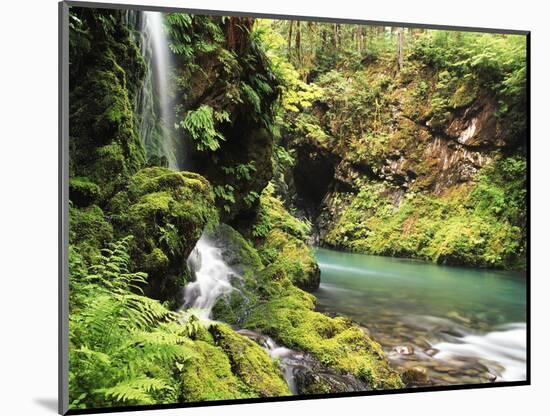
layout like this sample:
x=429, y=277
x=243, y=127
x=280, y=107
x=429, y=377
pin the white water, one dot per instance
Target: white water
x=288, y=359
x=155, y=103
x=212, y=278
x=505, y=347
x=156, y=107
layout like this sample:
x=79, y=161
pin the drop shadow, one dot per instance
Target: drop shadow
x=48, y=404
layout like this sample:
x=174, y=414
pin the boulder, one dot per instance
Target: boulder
x=166, y=212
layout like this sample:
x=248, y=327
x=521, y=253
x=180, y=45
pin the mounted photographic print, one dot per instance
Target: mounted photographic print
x=264, y=208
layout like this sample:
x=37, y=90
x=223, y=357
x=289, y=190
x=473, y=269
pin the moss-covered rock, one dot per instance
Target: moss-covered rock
x=89, y=230
x=226, y=365
x=104, y=145
x=281, y=238
x=295, y=256
x=82, y=191
x=208, y=376
x=289, y=317
x=166, y=212
x=250, y=363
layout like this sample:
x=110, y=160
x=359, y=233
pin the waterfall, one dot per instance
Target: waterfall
x=154, y=103
x=212, y=278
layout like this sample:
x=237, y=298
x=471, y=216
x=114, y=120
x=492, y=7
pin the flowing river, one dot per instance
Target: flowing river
x=446, y=325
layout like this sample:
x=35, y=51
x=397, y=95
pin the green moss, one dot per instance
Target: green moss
x=294, y=256
x=166, y=212
x=250, y=363
x=476, y=225
x=104, y=143
x=282, y=239
x=208, y=376
x=289, y=317
x=82, y=191
x=89, y=230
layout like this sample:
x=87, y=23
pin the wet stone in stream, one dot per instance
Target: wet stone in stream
x=302, y=372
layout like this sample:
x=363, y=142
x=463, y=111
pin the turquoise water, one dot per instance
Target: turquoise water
x=449, y=325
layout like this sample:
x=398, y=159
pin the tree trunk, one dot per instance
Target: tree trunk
x=289, y=44
x=361, y=38
x=298, y=43
x=399, y=48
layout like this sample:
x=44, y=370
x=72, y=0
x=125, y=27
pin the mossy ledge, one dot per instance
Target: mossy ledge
x=166, y=212
x=267, y=300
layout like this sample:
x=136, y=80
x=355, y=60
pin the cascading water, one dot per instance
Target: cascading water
x=155, y=108
x=154, y=102
x=212, y=278
x=300, y=369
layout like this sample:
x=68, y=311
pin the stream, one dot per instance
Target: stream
x=446, y=325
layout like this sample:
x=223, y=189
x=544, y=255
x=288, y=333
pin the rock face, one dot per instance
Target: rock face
x=235, y=80
x=415, y=376
x=106, y=72
x=313, y=173
x=402, y=157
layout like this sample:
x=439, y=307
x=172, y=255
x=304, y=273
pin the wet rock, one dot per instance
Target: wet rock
x=490, y=377
x=316, y=381
x=443, y=369
x=415, y=376
x=403, y=349
x=458, y=317
x=472, y=372
x=431, y=351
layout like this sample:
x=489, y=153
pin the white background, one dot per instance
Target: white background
x=28, y=205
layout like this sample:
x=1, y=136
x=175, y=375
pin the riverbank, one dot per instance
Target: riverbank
x=438, y=325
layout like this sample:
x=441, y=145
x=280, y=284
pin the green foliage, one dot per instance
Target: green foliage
x=127, y=349
x=252, y=97
x=89, y=229
x=251, y=198
x=241, y=171
x=480, y=226
x=200, y=124
x=123, y=347
x=192, y=35
x=470, y=61
x=225, y=194
x=501, y=191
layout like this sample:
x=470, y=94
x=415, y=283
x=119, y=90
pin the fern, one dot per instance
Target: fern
x=252, y=97
x=138, y=390
x=200, y=124
x=125, y=348
x=251, y=198
x=226, y=195
x=241, y=171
